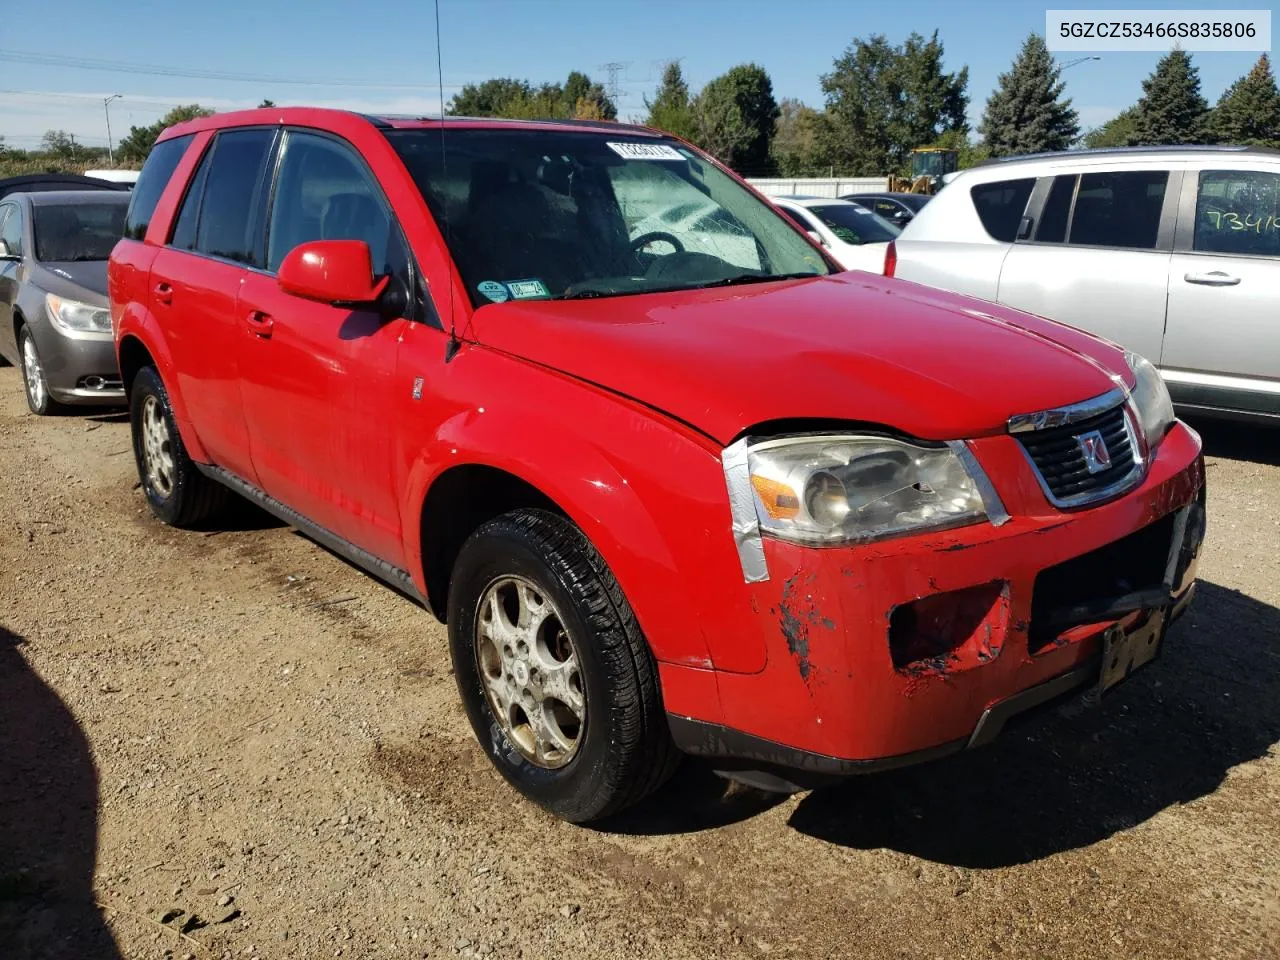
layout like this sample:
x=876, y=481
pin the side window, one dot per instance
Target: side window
x=1119, y=209
x=888, y=209
x=1000, y=206
x=1238, y=212
x=232, y=188
x=11, y=228
x=324, y=192
x=1057, y=211
x=184, y=228
x=156, y=171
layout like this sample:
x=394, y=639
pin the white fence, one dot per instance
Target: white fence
x=819, y=186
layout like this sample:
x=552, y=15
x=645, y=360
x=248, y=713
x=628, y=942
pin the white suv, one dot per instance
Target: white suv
x=1173, y=252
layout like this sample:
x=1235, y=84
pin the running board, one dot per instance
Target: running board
x=389, y=574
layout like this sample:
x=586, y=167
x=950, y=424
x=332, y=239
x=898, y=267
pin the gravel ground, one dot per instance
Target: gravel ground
x=237, y=734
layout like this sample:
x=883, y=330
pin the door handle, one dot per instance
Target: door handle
x=259, y=324
x=164, y=292
x=1215, y=278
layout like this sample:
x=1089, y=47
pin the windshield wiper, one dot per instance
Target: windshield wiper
x=754, y=278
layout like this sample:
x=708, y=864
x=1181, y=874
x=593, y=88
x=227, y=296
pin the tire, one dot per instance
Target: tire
x=622, y=750
x=34, y=382
x=177, y=492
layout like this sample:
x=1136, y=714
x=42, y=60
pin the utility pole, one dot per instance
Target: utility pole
x=106, y=108
x=1078, y=60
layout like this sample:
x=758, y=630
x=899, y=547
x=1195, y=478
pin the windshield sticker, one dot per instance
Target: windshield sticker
x=645, y=151
x=527, y=289
x=493, y=290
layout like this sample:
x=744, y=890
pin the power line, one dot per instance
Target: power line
x=151, y=70
x=157, y=106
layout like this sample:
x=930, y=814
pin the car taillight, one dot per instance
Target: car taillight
x=890, y=259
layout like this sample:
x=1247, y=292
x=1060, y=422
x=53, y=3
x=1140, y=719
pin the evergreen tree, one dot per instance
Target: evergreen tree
x=734, y=118
x=670, y=109
x=1026, y=113
x=1116, y=132
x=1171, y=109
x=1249, y=111
x=138, y=142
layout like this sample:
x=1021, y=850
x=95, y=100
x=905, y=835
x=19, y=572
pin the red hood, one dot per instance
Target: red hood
x=848, y=347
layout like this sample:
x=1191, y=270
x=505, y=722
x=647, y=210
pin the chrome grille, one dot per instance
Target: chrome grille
x=1059, y=457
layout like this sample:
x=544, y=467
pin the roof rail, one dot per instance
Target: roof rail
x=1136, y=151
x=383, y=121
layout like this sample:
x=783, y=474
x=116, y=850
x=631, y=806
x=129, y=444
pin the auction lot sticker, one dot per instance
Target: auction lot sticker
x=527, y=289
x=645, y=151
x=492, y=290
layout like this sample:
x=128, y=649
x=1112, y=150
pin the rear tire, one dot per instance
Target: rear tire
x=177, y=492
x=34, y=382
x=567, y=706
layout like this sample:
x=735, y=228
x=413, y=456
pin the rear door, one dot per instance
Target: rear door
x=216, y=239
x=1222, y=343
x=1094, y=252
x=318, y=381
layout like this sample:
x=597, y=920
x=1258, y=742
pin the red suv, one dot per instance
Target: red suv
x=675, y=483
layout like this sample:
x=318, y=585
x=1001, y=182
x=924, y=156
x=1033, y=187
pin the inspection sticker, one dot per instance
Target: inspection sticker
x=493, y=290
x=527, y=289
x=645, y=151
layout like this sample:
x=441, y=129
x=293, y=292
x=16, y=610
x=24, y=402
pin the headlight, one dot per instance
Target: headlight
x=1150, y=398
x=848, y=489
x=80, y=320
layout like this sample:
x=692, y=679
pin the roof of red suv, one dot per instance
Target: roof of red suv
x=319, y=115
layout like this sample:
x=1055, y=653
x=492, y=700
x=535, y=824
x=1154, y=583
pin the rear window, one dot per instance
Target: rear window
x=1000, y=206
x=853, y=224
x=161, y=163
x=77, y=231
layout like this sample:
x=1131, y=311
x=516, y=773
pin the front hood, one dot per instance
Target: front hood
x=852, y=346
x=83, y=280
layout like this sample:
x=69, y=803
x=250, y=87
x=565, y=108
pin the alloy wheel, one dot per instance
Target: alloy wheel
x=157, y=447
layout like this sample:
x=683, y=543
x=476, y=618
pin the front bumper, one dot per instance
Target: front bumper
x=887, y=654
x=78, y=371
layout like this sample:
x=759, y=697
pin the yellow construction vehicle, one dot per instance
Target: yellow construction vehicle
x=928, y=165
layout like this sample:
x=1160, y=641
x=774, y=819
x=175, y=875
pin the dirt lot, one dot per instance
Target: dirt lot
x=239, y=726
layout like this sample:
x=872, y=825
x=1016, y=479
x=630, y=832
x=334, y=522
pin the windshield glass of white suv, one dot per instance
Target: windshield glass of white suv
x=853, y=224
x=531, y=214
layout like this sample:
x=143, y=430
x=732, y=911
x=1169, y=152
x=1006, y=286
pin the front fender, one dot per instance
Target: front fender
x=651, y=499
x=136, y=322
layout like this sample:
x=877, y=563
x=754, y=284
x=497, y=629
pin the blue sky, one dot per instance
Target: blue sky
x=394, y=42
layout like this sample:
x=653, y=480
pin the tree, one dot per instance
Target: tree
x=138, y=142
x=734, y=117
x=59, y=143
x=1116, y=132
x=267, y=103
x=509, y=97
x=1026, y=112
x=883, y=101
x=670, y=109
x=800, y=141
x=1171, y=109
x=1249, y=111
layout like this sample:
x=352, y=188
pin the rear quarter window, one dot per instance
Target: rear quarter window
x=156, y=171
x=1000, y=206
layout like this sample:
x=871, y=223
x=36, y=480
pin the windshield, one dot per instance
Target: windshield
x=854, y=224
x=77, y=231
x=531, y=214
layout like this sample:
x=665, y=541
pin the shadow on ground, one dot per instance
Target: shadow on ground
x=695, y=798
x=48, y=823
x=1168, y=735
x=1239, y=441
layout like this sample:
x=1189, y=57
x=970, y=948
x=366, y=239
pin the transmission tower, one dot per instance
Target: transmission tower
x=614, y=70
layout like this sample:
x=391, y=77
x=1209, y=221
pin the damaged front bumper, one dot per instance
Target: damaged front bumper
x=891, y=654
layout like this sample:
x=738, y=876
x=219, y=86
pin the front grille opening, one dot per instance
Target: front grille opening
x=1059, y=457
x=939, y=625
x=1133, y=563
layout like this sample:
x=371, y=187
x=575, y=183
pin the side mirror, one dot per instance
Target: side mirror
x=816, y=237
x=338, y=272
x=5, y=252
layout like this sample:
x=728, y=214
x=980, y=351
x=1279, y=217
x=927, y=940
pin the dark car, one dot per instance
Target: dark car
x=55, y=322
x=43, y=182
x=898, y=208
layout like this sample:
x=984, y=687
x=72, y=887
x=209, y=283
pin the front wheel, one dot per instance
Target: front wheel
x=34, y=380
x=177, y=492
x=557, y=680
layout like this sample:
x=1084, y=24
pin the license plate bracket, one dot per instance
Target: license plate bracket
x=1124, y=652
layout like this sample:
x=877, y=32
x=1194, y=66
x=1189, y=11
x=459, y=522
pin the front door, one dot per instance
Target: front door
x=10, y=276
x=317, y=380
x=1222, y=344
